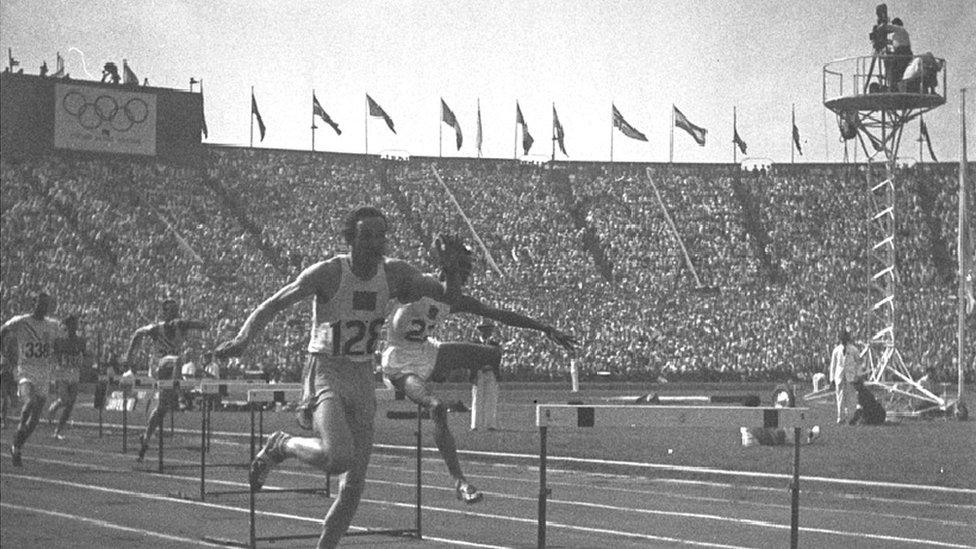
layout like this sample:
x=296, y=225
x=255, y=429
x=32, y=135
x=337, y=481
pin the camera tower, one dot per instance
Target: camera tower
x=876, y=115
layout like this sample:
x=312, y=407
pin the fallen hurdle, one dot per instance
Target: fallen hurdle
x=588, y=416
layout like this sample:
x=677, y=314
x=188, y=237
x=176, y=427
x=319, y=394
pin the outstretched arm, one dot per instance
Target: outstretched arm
x=304, y=286
x=136, y=339
x=468, y=304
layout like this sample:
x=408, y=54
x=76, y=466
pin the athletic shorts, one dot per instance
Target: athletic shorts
x=352, y=383
x=37, y=375
x=419, y=359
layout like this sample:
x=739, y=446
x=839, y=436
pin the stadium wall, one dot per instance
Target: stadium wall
x=43, y=115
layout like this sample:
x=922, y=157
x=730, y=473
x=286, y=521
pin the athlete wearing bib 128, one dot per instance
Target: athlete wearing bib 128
x=413, y=358
x=35, y=335
x=351, y=294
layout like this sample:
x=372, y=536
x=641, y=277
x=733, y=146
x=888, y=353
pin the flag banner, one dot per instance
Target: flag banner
x=11, y=62
x=104, y=119
x=928, y=140
x=128, y=76
x=257, y=114
x=796, y=139
x=203, y=115
x=527, y=140
x=479, y=136
x=738, y=140
x=317, y=110
x=377, y=111
x=696, y=132
x=59, y=66
x=624, y=127
x=447, y=116
x=557, y=131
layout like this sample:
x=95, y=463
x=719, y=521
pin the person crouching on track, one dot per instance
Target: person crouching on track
x=869, y=410
x=169, y=336
x=413, y=359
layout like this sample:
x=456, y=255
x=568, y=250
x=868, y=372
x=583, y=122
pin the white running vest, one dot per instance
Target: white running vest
x=351, y=323
x=415, y=323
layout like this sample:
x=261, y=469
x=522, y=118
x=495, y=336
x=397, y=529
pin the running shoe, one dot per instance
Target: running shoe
x=59, y=435
x=143, y=447
x=15, y=456
x=467, y=493
x=272, y=454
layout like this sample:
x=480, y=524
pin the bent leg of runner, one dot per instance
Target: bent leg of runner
x=419, y=393
x=67, y=404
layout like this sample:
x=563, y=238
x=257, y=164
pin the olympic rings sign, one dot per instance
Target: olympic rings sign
x=104, y=119
x=105, y=110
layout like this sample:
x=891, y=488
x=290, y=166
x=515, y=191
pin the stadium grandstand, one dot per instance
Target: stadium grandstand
x=112, y=233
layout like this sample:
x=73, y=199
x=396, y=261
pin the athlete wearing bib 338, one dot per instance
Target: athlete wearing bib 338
x=413, y=358
x=35, y=335
x=351, y=294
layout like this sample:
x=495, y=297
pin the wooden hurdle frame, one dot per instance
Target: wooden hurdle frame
x=583, y=416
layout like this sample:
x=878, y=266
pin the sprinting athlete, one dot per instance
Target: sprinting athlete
x=169, y=338
x=35, y=335
x=414, y=358
x=72, y=355
x=351, y=294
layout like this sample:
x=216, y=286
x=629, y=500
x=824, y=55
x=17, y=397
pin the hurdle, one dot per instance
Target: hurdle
x=269, y=394
x=608, y=415
x=211, y=390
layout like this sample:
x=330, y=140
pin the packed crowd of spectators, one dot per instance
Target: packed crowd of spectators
x=586, y=247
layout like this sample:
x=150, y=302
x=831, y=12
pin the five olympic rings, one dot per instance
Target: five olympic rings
x=105, y=108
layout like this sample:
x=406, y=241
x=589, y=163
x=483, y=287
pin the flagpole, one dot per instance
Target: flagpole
x=963, y=251
x=792, y=144
x=611, y=139
x=735, y=156
x=313, y=120
x=671, y=153
x=252, y=117
x=440, y=132
x=480, y=135
x=552, y=133
x=366, y=127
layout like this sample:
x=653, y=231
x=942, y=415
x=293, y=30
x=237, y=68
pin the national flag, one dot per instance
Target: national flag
x=317, y=110
x=377, y=111
x=447, y=116
x=257, y=114
x=526, y=136
x=59, y=65
x=557, y=131
x=796, y=139
x=479, y=137
x=203, y=111
x=11, y=62
x=696, y=132
x=128, y=76
x=624, y=127
x=738, y=140
x=924, y=130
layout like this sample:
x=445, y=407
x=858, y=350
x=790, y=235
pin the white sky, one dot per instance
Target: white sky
x=705, y=57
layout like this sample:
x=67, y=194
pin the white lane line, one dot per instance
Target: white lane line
x=103, y=524
x=533, y=459
x=181, y=501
